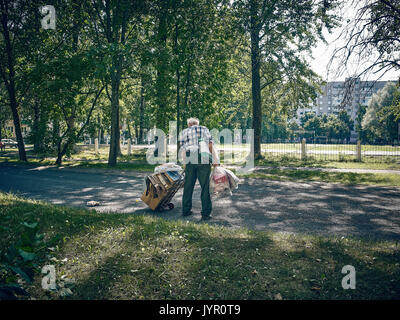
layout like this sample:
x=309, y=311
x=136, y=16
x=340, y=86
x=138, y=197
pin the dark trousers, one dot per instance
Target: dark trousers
x=192, y=173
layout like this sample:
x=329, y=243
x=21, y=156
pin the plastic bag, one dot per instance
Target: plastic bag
x=170, y=166
x=219, y=182
x=223, y=181
x=232, y=178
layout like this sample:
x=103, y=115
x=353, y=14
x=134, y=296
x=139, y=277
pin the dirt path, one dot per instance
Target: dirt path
x=313, y=208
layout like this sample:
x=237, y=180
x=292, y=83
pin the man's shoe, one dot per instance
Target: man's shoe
x=205, y=218
x=186, y=214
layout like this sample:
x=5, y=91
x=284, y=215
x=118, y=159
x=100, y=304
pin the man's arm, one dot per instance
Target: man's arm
x=183, y=158
x=208, y=136
x=181, y=150
x=215, y=158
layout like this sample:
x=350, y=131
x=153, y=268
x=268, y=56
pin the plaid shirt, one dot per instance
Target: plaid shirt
x=189, y=137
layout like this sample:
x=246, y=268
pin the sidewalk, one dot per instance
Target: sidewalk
x=351, y=170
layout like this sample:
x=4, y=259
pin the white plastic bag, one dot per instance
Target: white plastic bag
x=170, y=166
x=223, y=181
x=219, y=182
x=232, y=178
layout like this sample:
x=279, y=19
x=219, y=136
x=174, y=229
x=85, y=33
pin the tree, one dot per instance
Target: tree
x=280, y=31
x=305, y=117
x=347, y=125
x=19, y=24
x=114, y=31
x=358, y=124
x=372, y=37
x=379, y=123
x=314, y=124
x=4, y=111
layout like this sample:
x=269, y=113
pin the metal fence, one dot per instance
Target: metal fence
x=329, y=151
x=312, y=149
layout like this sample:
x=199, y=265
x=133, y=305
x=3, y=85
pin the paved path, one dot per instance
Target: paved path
x=349, y=170
x=313, y=208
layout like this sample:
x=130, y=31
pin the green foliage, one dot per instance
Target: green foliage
x=332, y=126
x=379, y=124
x=139, y=64
x=19, y=259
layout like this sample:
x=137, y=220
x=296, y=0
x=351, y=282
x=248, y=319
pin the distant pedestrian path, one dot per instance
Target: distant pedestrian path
x=351, y=170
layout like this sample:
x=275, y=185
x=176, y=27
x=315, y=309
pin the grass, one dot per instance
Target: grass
x=123, y=256
x=276, y=167
x=345, y=163
x=86, y=157
x=382, y=179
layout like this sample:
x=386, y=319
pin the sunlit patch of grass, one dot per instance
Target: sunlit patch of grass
x=124, y=256
x=383, y=163
x=383, y=179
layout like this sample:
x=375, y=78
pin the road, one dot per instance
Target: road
x=293, y=207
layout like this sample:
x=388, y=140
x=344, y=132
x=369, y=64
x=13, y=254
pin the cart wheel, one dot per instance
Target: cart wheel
x=171, y=206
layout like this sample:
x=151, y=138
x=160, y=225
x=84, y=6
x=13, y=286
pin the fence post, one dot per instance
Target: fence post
x=303, y=149
x=358, y=150
x=129, y=147
x=96, y=145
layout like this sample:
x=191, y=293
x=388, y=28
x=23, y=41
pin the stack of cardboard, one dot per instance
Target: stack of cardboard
x=160, y=189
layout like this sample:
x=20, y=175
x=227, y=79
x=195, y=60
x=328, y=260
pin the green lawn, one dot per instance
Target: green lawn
x=311, y=162
x=382, y=179
x=86, y=157
x=125, y=256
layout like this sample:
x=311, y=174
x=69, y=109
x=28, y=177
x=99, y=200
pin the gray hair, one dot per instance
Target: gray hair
x=193, y=121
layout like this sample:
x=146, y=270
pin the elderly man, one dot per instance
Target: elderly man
x=198, y=153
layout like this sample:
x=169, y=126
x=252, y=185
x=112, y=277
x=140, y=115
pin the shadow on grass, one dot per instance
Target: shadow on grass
x=215, y=265
x=331, y=177
x=116, y=256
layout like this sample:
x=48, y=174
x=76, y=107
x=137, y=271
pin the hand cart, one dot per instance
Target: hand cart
x=161, y=188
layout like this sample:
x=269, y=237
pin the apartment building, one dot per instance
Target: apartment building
x=345, y=95
x=25, y=129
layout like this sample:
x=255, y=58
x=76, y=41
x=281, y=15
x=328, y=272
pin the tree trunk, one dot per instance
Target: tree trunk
x=37, y=136
x=10, y=85
x=17, y=125
x=162, y=69
x=115, y=148
x=187, y=87
x=129, y=131
x=72, y=137
x=178, y=77
x=61, y=153
x=137, y=133
x=255, y=79
x=141, y=114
